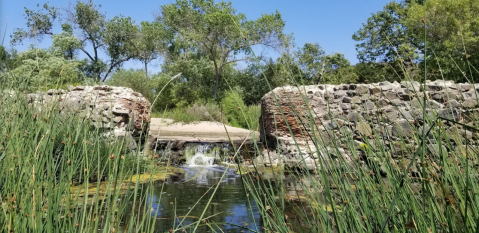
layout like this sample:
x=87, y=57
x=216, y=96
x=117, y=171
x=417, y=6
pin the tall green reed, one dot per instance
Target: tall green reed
x=389, y=186
x=52, y=162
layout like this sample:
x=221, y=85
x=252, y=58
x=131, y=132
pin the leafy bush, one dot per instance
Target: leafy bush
x=41, y=69
x=237, y=113
x=208, y=111
x=134, y=79
x=183, y=95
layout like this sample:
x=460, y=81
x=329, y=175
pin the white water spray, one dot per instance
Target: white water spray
x=204, y=154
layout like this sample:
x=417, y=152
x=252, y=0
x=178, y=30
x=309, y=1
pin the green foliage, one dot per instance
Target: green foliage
x=39, y=23
x=196, y=70
x=201, y=111
x=6, y=61
x=375, y=72
x=136, y=80
x=337, y=70
x=154, y=41
x=450, y=30
x=65, y=44
x=44, y=154
x=237, y=113
x=253, y=81
x=39, y=68
x=219, y=32
x=183, y=94
x=310, y=65
x=410, y=34
x=310, y=60
x=119, y=36
x=384, y=38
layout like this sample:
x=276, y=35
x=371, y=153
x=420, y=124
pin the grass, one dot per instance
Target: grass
x=197, y=112
x=427, y=190
x=51, y=159
x=212, y=112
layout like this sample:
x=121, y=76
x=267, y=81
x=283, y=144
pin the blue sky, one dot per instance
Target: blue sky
x=329, y=23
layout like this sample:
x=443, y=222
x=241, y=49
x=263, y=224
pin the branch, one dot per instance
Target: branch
x=89, y=56
x=113, y=65
x=236, y=60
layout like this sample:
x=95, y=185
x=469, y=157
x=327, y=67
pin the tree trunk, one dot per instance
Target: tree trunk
x=217, y=71
x=146, y=68
x=216, y=85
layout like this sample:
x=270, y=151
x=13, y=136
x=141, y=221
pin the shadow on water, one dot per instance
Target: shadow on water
x=174, y=202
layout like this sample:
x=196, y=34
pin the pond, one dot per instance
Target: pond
x=186, y=196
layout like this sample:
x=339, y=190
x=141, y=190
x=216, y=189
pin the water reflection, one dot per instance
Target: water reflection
x=174, y=202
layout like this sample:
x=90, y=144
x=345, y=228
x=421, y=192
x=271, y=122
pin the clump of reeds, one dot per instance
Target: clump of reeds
x=428, y=189
x=49, y=162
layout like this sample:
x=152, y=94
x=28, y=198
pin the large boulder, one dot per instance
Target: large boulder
x=313, y=125
x=119, y=111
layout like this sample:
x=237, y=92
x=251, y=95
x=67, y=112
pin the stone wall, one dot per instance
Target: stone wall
x=117, y=110
x=349, y=116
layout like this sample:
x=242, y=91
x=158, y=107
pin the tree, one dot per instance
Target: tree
x=311, y=62
x=384, y=38
x=154, y=41
x=223, y=34
x=337, y=70
x=65, y=43
x=196, y=70
x=117, y=37
x=373, y=72
x=39, y=24
x=5, y=59
x=317, y=67
x=120, y=37
x=448, y=32
x=413, y=33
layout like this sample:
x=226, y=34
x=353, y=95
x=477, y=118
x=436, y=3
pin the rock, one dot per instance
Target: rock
x=128, y=119
x=370, y=106
x=393, y=110
x=354, y=117
x=451, y=114
x=375, y=90
x=346, y=100
x=356, y=100
x=362, y=89
x=364, y=128
x=453, y=103
x=469, y=103
x=402, y=128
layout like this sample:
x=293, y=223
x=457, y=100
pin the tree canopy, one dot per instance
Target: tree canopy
x=218, y=31
x=218, y=50
x=412, y=33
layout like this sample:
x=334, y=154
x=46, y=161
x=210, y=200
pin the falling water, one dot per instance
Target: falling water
x=206, y=154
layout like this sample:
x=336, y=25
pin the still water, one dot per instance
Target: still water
x=176, y=206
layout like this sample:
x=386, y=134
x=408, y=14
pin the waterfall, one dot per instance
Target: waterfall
x=201, y=153
x=206, y=154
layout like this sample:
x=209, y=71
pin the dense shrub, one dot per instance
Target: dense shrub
x=237, y=113
x=40, y=69
x=136, y=80
x=202, y=111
